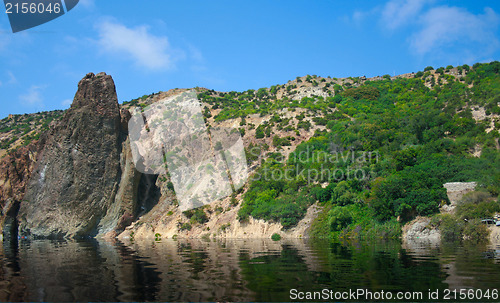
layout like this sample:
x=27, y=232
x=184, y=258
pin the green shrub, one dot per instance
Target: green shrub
x=362, y=92
x=304, y=124
x=451, y=228
x=477, y=205
x=259, y=132
x=388, y=230
x=196, y=215
x=340, y=218
x=266, y=200
x=234, y=201
x=278, y=142
x=219, y=210
x=475, y=231
x=275, y=237
x=185, y=226
x=223, y=227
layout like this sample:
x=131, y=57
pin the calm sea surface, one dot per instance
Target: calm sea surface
x=236, y=270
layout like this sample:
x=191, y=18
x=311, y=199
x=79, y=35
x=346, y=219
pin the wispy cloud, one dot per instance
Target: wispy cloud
x=445, y=26
x=87, y=3
x=137, y=44
x=12, y=78
x=397, y=13
x=33, y=97
x=449, y=32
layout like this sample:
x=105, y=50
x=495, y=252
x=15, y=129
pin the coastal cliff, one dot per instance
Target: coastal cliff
x=72, y=174
x=64, y=184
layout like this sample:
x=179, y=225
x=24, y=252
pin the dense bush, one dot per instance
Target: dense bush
x=451, y=228
x=475, y=231
x=340, y=218
x=362, y=92
x=185, y=226
x=196, y=215
x=465, y=223
x=477, y=205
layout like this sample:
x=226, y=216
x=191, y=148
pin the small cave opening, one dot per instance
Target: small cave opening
x=148, y=194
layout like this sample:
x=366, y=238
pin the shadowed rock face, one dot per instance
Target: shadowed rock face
x=77, y=170
x=15, y=171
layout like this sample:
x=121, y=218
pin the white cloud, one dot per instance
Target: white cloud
x=11, y=79
x=449, y=26
x=33, y=97
x=87, y=3
x=359, y=16
x=397, y=13
x=145, y=49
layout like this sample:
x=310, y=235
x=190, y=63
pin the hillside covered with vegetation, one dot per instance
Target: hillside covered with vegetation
x=373, y=152
x=21, y=130
x=385, y=150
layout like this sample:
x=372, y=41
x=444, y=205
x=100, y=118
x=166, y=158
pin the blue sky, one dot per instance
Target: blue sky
x=148, y=46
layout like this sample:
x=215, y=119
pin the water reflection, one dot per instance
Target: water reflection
x=234, y=270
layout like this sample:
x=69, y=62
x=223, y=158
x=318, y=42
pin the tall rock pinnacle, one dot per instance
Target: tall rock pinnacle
x=78, y=166
x=97, y=92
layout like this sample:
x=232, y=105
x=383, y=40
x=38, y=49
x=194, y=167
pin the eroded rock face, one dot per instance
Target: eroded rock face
x=77, y=171
x=15, y=171
x=122, y=212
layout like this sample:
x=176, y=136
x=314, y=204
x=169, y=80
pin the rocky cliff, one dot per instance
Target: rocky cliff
x=77, y=172
x=79, y=179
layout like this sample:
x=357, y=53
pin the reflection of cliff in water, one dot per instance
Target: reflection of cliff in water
x=232, y=270
x=193, y=270
x=12, y=286
x=79, y=271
